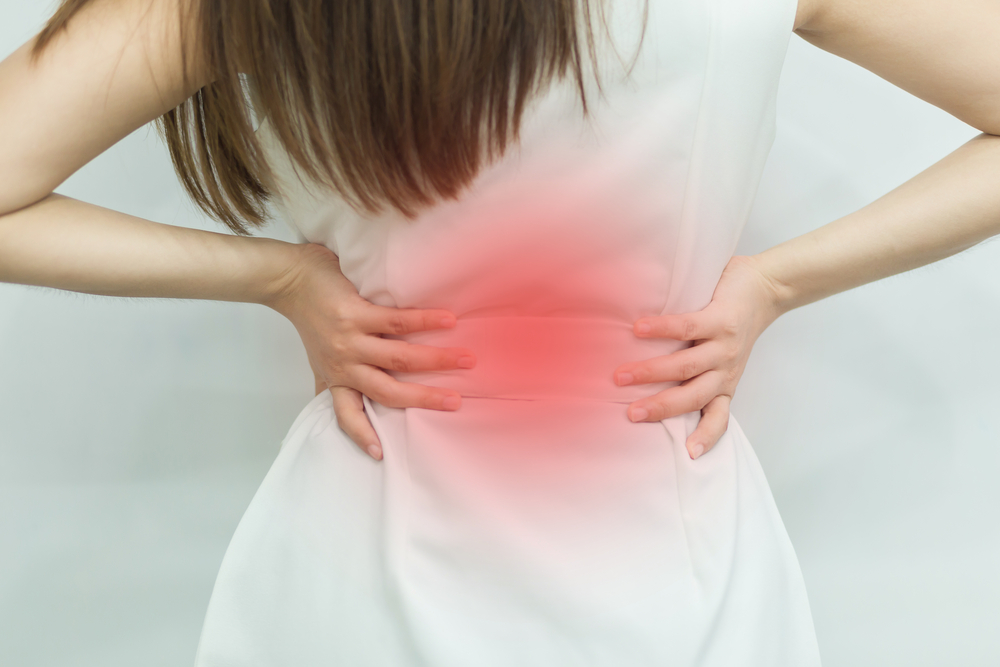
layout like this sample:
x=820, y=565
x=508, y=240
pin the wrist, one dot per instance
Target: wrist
x=282, y=276
x=776, y=297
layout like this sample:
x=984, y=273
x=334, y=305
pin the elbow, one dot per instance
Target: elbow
x=14, y=198
x=990, y=126
x=984, y=115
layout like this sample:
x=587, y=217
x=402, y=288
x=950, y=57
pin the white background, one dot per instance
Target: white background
x=134, y=433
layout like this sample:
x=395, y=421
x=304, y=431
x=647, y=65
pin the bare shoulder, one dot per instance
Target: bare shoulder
x=116, y=65
x=943, y=51
x=155, y=29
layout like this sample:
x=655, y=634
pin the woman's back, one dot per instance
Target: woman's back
x=631, y=211
x=537, y=525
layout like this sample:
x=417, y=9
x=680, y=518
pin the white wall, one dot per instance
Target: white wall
x=133, y=433
x=875, y=413
x=132, y=436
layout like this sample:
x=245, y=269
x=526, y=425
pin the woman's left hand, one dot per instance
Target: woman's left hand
x=743, y=306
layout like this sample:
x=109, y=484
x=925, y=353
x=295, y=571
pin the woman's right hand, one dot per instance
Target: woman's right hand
x=342, y=331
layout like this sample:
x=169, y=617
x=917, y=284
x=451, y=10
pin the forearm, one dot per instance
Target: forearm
x=70, y=245
x=951, y=206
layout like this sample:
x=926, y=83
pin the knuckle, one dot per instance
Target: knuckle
x=712, y=437
x=349, y=427
x=398, y=362
x=730, y=325
x=397, y=324
x=659, y=408
x=335, y=373
x=663, y=409
x=689, y=328
x=688, y=369
x=339, y=348
x=669, y=408
x=654, y=411
x=344, y=314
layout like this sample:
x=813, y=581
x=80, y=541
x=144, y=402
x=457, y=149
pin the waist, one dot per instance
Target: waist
x=535, y=358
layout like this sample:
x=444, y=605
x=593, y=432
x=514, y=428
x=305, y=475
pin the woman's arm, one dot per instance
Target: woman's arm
x=944, y=51
x=117, y=67
x=68, y=244
x=947, y=53
x=948, y=208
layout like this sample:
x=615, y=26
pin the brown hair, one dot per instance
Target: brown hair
x=385, y=101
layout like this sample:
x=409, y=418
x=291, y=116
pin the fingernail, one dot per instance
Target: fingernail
x=643, y=328
x=697, y=451
x=452, y=402
x=466, y=362
x=624, y=378
x=638, y=414
x=447, y=321
x=375, y=451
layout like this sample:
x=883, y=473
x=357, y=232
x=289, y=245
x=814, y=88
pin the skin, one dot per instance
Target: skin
x=119, y=67
x=943, y=52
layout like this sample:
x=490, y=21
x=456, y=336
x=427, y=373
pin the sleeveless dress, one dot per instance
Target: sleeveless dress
x=537, y=526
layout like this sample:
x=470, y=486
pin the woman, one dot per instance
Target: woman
x=529, y=523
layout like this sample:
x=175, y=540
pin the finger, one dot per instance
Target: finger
x=404, y=357
x=399, y=321
x=689, y=326
x=688, y=397
x=713, y=424
x=351, y=417
x=385, y=389
x=678, y=366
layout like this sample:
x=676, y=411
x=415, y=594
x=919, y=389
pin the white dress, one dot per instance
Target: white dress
x=537, y=526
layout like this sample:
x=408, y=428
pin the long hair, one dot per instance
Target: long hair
x=396, y=102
